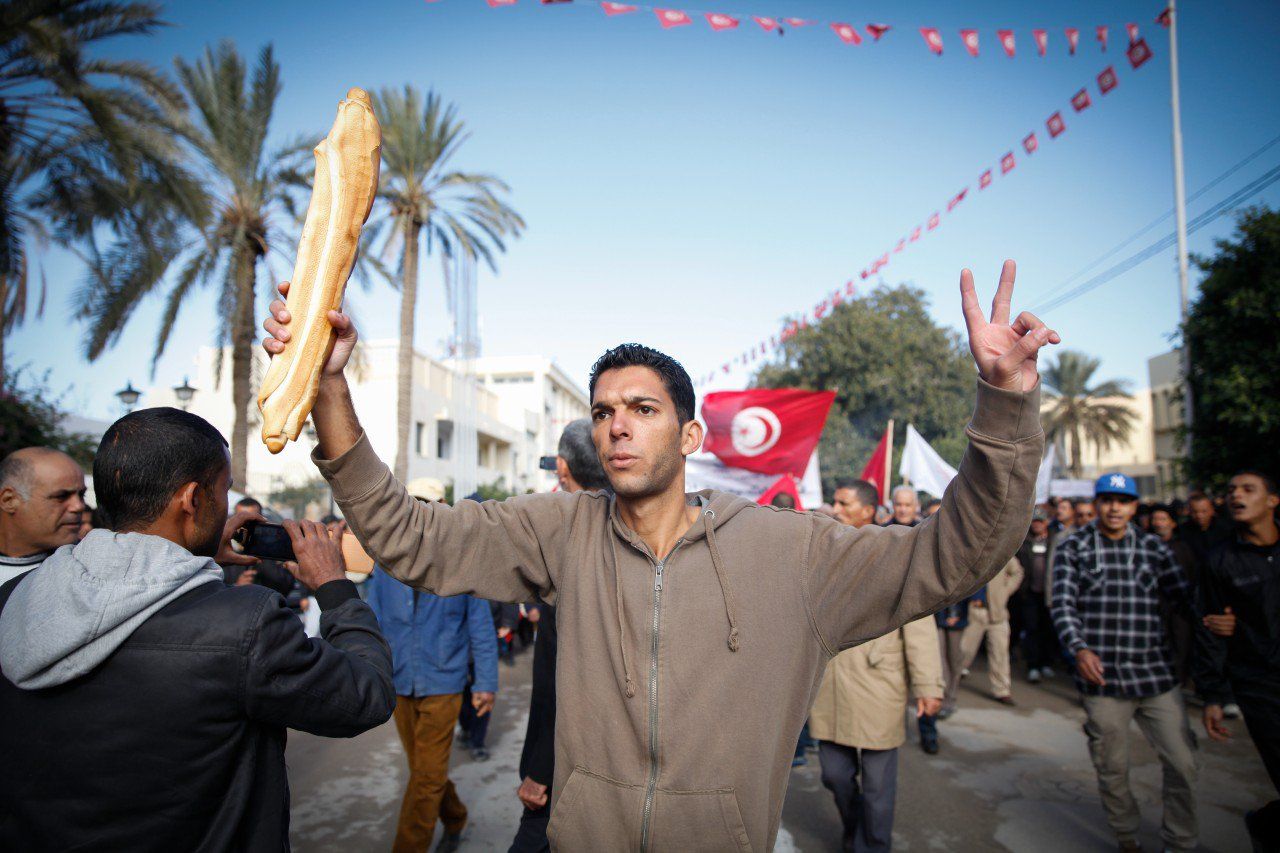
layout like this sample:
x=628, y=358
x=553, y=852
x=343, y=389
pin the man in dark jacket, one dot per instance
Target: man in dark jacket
x=1039, y=640
x=144, y=701
x=1237, y=648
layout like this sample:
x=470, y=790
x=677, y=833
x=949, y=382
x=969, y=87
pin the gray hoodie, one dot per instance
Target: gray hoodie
x=67, y=616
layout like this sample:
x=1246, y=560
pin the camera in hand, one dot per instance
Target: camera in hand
x=266, y=540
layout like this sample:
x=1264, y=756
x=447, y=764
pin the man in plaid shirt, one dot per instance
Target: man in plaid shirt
x=1109, y=578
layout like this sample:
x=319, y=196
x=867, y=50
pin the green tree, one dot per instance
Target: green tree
x=71, y=120
x=427, y=204
x=302, y=495
x=1235, y=350
x=885, y=358
x=220, y=231
x=1077, y=412
x=31, y=416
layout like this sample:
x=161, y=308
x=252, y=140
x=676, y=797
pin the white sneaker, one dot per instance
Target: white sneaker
x=964, y=673
x=1231, y=711
x=1033, y=676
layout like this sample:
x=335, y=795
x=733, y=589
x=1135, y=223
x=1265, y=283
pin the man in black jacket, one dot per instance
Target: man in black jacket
x=144, y=701
x=578, y=468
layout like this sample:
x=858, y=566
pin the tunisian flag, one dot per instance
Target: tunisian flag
x=877, y=468
x=769, y=431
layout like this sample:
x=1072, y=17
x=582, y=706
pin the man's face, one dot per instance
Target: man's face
x=638, y=435
x=1115, y=512
x=906, y=507
x=1248, y=500
x=1201, y=512
x=211, y=517
x=1084, y=513
x=50, y=517
x=1162, y=524
x=1065, y=513
x=850, y=510
x=1039, y=528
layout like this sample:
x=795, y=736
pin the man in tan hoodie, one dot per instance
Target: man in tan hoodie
x=693, y=628
x=857, y=717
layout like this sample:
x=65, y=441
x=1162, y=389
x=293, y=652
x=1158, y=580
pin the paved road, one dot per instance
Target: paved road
x=1014, y=779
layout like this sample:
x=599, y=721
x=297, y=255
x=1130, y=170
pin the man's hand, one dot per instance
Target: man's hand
x=319, y=555
x=482, y=702
x=533, y=795
x=247, y=577
x=1221, y=624
x=1005, y=352
x=927, y=706
x=275, y=326
x=1090, y=666
x=1213, y=726
x=227, y=556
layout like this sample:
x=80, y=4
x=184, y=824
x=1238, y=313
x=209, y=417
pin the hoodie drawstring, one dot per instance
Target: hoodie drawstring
x=622, y=625
x=709, y=518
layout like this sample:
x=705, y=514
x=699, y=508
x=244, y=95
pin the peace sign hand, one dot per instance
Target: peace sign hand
x=1005, y=352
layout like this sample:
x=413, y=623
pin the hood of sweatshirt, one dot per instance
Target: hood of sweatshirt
x=67, y=616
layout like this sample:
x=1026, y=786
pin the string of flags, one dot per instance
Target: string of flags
x=1055, y=125
x=850, y=34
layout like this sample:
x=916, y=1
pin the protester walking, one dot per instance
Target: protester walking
x=1108, y=584
x=989, y=623
x=1039, y=640
x=42, y=507
x=145, y=702
x=1238, y=642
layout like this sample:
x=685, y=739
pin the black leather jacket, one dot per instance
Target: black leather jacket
x=176, y=741
x=1245, y=578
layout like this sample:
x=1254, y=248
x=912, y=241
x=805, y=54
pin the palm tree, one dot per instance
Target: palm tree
x=222, y=235
x=458, y=213
x=65, y=116
x=1078, y=412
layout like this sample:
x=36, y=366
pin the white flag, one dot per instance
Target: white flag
x=1045, y=476
x=704, y=471
x=923, y=467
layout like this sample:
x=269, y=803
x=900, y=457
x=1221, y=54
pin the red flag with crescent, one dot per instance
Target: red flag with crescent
x=672, y=18
x=970, y=39
x=933, y=38
x=720, y=22
x=1073, y=39
x=769, y=431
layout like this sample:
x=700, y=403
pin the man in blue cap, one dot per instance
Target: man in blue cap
x=1109, y=579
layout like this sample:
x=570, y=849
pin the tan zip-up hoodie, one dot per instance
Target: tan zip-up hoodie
x=682, y=684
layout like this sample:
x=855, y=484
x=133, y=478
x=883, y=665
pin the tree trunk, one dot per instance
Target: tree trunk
x=242, y=343
x=404, y=358
x=1076, y=468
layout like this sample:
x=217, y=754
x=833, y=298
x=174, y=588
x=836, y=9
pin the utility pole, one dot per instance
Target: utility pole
x=1180, y=212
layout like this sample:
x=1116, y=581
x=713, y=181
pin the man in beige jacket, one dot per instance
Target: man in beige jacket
x=989, y=620
x=693, y=628
x=857, y=716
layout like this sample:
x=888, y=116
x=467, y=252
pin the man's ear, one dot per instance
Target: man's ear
x=189, y=499
x=10, y=500
x=691, y=439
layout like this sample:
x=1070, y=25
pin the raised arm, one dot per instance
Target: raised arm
x=866, y=582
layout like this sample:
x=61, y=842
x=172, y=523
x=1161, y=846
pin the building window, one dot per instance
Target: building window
x=444, y=439
x=420, y=438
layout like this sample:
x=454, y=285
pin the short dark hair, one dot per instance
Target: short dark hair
x=783, y=500
x=579, y=452
x=866, y=492
x=1268, y=482
x=674, y=377
x=147, y=456
x=248, y=501
x=1081, y=502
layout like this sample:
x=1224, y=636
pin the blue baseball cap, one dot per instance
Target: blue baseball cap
x=1116, y=484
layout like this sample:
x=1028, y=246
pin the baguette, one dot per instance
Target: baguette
x=342, y=194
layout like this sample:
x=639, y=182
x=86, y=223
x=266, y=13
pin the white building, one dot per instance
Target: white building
x=517, y=420
x=1168, y=418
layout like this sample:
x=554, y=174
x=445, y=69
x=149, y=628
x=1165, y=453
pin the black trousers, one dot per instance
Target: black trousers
x=531, y=836
x=1260, y=705
x=1039, y=639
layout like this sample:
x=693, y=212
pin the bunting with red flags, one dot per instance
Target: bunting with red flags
x=1041, y=38
x=847, y=34
x=1030, y=143
x=1138, y=53
x=1073, y=40
x=1055, y=125
x=877, y=30
x=672, y=18
x=1102, y=36
x=1081, y=101
x=970, y=39
x=1006, y=40
x=1107, y=80
x=1132, y=30
x=612, y=9
x=769, y=25
x=933, y=38
x=984, y=180
x=720, y=22
x=1007, y=163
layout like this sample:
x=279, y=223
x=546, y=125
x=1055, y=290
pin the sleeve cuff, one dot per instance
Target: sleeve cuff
x=353, y=474
x=1008, y=415
x=333, y=593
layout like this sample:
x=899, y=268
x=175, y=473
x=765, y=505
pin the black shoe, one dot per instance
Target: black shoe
x=930, y=747
x=451, y=842
x=479, y=753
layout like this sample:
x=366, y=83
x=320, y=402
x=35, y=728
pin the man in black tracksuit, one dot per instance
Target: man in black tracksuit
x=1238, y=644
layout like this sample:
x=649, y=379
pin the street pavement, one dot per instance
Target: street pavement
x=1014, y=779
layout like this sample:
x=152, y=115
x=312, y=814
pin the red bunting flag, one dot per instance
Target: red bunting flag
x=902, y=244
x=877, y=30
x=767, y=24
x=1030, y=143
x=1073, y=39
x=959, y=197
x=1007, y=163
x=1055, y=125
x=848, y=288
x=933, y=221
x=612, y=9
x=1132, y=30
x=1165, y=18
x=1107, y=80
x=915, y=234
x=1006, y=40
x=672, y=18
x=797, y=22
x=493, y=4
x=864, y=274
x=720, y=22
x=847, y=34
x=876, y=471
x=1081, y=101
x=1042, y=40
x=1102, y=36
x=1138, y=53
x=984, y=180
x=970, y=39
x=933, y=38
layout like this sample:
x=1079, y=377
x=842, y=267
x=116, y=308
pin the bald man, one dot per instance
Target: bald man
x=41, y=507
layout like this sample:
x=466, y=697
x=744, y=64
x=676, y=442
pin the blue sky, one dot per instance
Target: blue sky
x=689, y=188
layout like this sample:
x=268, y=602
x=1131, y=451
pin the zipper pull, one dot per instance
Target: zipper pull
x=657, y=583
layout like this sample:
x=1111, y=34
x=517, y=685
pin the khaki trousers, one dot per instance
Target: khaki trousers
x=997, y=637
x=952, y=665
x=425, y=725
x=1163, y=721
